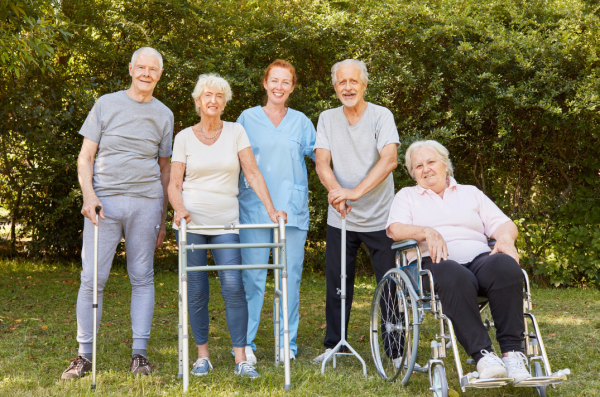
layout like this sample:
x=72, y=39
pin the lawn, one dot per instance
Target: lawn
x=38, y=329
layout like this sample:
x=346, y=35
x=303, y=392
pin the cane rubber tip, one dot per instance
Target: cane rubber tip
x=287, y=387
x=93, y=387
x=98, y=209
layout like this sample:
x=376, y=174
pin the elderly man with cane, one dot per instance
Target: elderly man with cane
x=131, y=132
x=361, y=140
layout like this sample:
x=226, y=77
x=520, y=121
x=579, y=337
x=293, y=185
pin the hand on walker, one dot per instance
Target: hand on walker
x=181, y=214
x=436, y=245
x=506, y=246
x=274, y=215
x=89, y=209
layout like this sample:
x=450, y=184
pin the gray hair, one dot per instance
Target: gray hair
x=149, y=51
x=215, y=81
x=437, y=147
x=364, y=74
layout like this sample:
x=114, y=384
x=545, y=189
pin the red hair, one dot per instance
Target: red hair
x=280, y=63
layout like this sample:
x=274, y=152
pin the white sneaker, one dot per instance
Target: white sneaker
x=490, y=366
x=292, y=355
x=516, y=368
x=250, y=357
x=321, y=357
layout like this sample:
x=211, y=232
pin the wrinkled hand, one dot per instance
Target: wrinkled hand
x=336, y=196
x=342, y=208
x=436, y=245
x=89, y=208
x=506, y=246
x=162, y=233
x=274, y=215
x=181, y=214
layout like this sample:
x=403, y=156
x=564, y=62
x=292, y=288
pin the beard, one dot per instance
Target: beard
x=349, y=102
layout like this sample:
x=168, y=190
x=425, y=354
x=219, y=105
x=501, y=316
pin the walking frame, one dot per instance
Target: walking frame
x=342, y=292
x=279, y=253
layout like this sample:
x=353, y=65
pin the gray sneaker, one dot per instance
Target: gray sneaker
x=201, y=367
x=246, y=369
x=78, y=367
x=139, y=365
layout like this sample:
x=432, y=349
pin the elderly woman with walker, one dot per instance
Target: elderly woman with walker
x=281, y=137
x=203, y=190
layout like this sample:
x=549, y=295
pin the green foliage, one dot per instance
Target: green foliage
x=510, y=87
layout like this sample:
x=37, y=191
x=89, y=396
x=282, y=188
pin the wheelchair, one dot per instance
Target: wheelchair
x=398, y=310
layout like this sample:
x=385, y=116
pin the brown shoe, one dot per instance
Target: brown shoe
x=139, y=365
x=78, y=367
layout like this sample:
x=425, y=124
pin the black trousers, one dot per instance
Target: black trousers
x=382, y=256
x=497, y=277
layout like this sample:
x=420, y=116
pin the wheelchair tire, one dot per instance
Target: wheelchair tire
x=394, y=332
x=439, y=383
x=537, y=370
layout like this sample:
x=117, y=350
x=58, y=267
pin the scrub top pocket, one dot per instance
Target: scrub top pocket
x=299, y=201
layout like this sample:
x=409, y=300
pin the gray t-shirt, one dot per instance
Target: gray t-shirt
x=131, y=135
x=355, y=152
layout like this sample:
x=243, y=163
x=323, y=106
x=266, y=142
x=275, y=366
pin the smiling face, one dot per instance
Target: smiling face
x=279, y=85
x=429, y=170
x=349, y=87
x=145, y=73
x=211, y=102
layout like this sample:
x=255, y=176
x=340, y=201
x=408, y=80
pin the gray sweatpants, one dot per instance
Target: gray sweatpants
x=138, y=220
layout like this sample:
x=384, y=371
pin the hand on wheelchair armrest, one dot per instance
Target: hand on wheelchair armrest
x=404, y=245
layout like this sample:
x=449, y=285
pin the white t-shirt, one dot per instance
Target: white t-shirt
x=210, y=186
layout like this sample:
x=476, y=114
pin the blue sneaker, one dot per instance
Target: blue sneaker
x=246, y=369
x=201, y=367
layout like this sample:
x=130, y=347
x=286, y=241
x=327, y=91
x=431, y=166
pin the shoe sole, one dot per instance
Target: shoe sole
x=492, y=375
x=197, y=374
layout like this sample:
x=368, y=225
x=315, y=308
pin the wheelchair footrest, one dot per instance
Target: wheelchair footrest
x=554, y=379
x=470, y=381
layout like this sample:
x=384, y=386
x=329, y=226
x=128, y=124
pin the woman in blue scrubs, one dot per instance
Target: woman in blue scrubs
x=280, y=137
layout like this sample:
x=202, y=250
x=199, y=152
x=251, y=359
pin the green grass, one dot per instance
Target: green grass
x=38, y=329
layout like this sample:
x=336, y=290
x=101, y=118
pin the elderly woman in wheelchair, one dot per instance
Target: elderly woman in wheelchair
x=448, y=223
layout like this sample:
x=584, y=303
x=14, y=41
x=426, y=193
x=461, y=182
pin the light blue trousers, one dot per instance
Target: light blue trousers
x=254, y=280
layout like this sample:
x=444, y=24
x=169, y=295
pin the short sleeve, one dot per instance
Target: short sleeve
x=242, y=118
x=92, y=127
x=310, y=134
x=242, y=138
x=179, y=148
x=388, y=133
x=400, y=211
x=164, y=148
x=321, y=141
x=490, y=214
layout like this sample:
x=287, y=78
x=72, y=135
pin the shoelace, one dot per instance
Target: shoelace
x=491, y=356
x=141, y=361
x=202, y=361
x=519, y=360
x=77, y=363
x=245, y=366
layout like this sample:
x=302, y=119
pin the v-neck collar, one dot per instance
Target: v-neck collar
x=268, y=120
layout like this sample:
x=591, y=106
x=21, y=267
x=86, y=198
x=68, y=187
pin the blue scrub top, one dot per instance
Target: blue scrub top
x=279, y=153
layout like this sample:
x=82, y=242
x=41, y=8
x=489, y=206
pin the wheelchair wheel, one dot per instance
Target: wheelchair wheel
x=537, y=370
x=394, y=327
x=439, y=384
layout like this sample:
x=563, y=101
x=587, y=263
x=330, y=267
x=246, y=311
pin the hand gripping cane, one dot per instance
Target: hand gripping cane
x=95, y=301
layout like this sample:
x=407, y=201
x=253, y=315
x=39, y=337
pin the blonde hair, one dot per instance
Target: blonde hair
x=215, y=81
x=437, y=147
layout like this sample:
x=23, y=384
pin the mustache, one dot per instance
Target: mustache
x=349, y=92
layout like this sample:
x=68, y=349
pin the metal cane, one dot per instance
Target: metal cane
x=95, y=299
x=342, y=292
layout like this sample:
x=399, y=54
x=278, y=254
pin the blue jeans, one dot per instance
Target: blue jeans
x=232, y=288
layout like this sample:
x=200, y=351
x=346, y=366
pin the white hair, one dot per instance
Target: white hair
x=149, y=51
x=364, y=74
x=215, y=81
x=437, y=147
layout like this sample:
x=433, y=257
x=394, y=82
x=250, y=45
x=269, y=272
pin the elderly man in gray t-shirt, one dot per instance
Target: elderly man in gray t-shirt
x=131, y=132
x=361, y=140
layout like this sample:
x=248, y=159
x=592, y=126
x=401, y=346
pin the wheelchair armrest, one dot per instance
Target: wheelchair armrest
x=404, y=244
x=491, y=243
